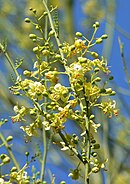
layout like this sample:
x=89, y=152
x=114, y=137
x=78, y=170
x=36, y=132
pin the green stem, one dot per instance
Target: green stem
x=44, y=131
x=44, y=154
x=9, y=151
x=85, y=107
x=90, y=42
x=71, y=148
x=9, y=60
x=55, y=33
x=87, y=166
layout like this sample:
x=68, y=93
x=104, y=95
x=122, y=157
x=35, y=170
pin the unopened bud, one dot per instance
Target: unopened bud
x=51, y=33
x=105, y=36
x=96, y=70
x=35, y=49
x=27, y=73
x=34, y=11
x=45, y=52
x=32, y=36
x=6, y=160
x=9, y=138
x=45, y=13
x=13, y=169
x=96, y=146
x=99, y=40
x=79, y=34
x=97, y=24
x=113, y=93
x=94, y=54
x=82, y=59
x=92, y=117
x=111, y=78
x=109, y=90
x=95, y=169
x=27, y=20
x=98, y=79
x=62, y=182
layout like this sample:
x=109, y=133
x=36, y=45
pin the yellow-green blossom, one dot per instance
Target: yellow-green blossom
x=36, y=90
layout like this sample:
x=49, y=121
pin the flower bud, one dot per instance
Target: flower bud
x=6, y=160
x=96, y=70
x=82, y=59
x=95, y=169
x=96, y=161
x=99, y=40
x=27, y=20
x=97, y=79
x=79, y=34
x=34, y=40
x=112, y=93
x=60, y=45
x=105, y=36
x=17, y=93
x=72, y=47
x=45, y=52
x=35, y=49
x=2, y=156
x=45, y=13
x=94, y=154
x=27, y=73
x=27, y=153
x=48, y=116
x=9, y=138
x=97, y=24
x=96, y=146
x=34, y=11
x=32, y=36
x=111, y=78
x=57, y=56
x=13, y=169
x=92, y=117
x=94, y=54
x=62, y=182
x=51, y=33
x=109, y=90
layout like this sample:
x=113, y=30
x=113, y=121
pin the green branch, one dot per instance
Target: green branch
x=71, y=148
x=10, y=152
x=44, y=131
x=8, y=59
x=55, y=33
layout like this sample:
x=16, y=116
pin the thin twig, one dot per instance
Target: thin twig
x=44, y=131
x=10, y=152
x=53, y=29
x=9, y=59
x=71, y=148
